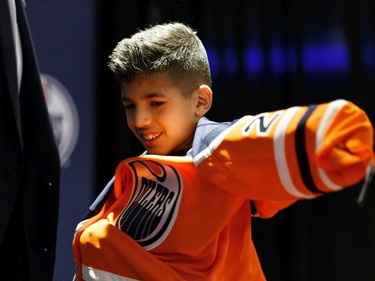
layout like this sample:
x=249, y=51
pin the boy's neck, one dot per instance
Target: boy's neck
x=179, y=152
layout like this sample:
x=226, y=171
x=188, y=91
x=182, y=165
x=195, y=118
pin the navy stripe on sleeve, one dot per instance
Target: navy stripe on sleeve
x=301, y=152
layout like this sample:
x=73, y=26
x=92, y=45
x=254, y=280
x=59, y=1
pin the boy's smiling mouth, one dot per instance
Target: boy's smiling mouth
x=150, y=137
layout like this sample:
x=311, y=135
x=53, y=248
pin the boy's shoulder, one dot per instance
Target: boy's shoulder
x=206, y=131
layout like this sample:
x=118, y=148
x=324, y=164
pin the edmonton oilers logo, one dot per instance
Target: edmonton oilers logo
x=63, y=116
x=153, y=206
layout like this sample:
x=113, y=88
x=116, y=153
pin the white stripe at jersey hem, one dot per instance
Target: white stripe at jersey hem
x=93, y=274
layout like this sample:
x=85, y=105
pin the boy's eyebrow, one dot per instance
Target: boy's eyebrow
x=147, y=96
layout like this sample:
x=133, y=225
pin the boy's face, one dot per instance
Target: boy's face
x=159, y=115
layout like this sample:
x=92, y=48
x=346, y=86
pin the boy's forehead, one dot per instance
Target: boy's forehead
x=148, y=86
x=147, y=90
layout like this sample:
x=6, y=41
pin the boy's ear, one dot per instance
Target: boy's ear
x=204, y=100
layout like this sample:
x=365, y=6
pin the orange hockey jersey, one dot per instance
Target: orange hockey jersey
x=188, y=218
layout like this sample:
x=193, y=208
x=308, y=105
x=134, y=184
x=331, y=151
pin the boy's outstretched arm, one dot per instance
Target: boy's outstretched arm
x=298, y=153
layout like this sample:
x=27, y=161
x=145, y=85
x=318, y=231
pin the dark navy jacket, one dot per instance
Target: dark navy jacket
x=29, y=163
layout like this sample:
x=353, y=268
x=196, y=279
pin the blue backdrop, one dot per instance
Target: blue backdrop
x=64, y=40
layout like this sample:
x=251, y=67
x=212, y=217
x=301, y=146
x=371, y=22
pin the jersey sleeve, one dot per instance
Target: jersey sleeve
x=302, y=152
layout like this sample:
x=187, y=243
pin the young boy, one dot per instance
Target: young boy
x=182, y=210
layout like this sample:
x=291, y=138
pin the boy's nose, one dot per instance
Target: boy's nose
x=141, y=118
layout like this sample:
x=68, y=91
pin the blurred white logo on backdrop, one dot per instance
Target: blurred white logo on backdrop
x=63, y=115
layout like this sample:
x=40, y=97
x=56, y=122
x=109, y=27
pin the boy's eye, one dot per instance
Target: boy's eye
x=157, y=103
x=129, y=106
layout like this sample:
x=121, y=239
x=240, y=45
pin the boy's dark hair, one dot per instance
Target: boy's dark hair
x=171, y=47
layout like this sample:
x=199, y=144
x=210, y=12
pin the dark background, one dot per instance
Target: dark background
x=265, y=55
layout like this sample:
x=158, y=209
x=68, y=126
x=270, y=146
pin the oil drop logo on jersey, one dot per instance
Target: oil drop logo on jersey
x=152, y=209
